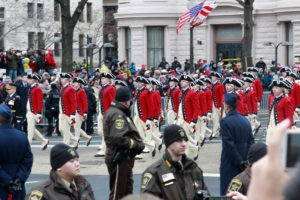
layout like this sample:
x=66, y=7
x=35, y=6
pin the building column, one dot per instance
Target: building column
x=296, y=37
x=138, y=44
x=122, y=44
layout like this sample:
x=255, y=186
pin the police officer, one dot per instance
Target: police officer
x=15, y=158
x=65, y=181
x=123, y=144
x=14, y=102
x=52, y=108
x=175, y=176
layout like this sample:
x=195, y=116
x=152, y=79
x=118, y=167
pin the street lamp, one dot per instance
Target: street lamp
x=90, y=47
x=108, y=44
x=283, y=43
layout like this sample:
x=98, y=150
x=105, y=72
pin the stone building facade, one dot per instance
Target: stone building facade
x=147, y=31
x=36, y=24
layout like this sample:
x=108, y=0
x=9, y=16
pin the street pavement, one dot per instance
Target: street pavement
x=94, y=169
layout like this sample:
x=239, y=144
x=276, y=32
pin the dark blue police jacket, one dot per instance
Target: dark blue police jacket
x=15, y=159
x=237, y=138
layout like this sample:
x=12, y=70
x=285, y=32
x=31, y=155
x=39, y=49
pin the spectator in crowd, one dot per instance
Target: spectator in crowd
x=261, y=64
x=130, y=84
x=187, y=66
x=40, y=61
x=12, y=64
x=268, y=79
x=163, y=63
x=175, y=64
x=3, y=92
x=50, y=64
x=3, y=62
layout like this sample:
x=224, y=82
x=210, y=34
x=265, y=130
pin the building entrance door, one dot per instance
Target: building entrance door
x=229, y=50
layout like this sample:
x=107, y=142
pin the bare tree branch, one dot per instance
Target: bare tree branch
x=241, y=2
x=11, y=29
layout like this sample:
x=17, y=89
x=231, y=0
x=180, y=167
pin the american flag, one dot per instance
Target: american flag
x=204, y=12
x=188, y=16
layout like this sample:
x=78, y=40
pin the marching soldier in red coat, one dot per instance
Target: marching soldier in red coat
x=281, y=107
x=173, y=95
x=209, y=102
x=106, y=95
x=188, y=113
x=232, y=85
x=67, y=110
x=256, y=85
x=294, y=93
x=218, y=98
x=250, y=101
x=143, y=113
x=34, y=109
x=82, y=109
x=157, y=111
x=200, y=134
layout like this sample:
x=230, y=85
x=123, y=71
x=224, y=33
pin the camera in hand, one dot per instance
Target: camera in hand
x=290, y=152
x=203, y=195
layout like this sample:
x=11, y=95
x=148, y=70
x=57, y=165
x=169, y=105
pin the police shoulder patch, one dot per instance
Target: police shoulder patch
x=119, y=123
x=235, y=185
x=146, y=179
x=36, y=195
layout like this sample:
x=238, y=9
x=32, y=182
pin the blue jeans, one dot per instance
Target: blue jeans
x=12, y=73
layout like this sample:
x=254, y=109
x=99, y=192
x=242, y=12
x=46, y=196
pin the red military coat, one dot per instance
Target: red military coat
x=144, y=104
x=294, y=94
x=201, y=95
x=106, y=95
x=190, y=105
x=174, y=96
x=209, y=101
x=82, y=103
x=35, y=99
x=156, y=104
x=68, y=100
x=218, y=94
x=241, y=106
x=257, y=87
x=251, y=102
x=283, y=109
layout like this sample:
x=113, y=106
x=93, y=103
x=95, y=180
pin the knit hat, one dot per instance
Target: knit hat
x=173, y=133
x=256, y=152
x=60, y=154
x=5, y=111
x=123, y=94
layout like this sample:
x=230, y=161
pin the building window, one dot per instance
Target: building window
x=89, y=12
x=30, y=10
x=155, y=45
x=57, y=44
x=56, y=11
x=40, y=11
x=81, y=18
x=81, y=44
x=31, y=42
x=41, y=40
x=2, y=12
x=1, y=33
x=289, y=38
x=128, y=43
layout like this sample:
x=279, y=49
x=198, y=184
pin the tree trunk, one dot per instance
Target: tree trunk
x=248, y=35
x=68, y=24
x=67, y=48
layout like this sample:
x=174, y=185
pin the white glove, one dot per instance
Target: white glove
x=84, y=116
x=148, y=124
x=254, y=116
x=209, y=116
x=72, y=119
x=155, y=122
x=192, y=124
x=38, y=118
